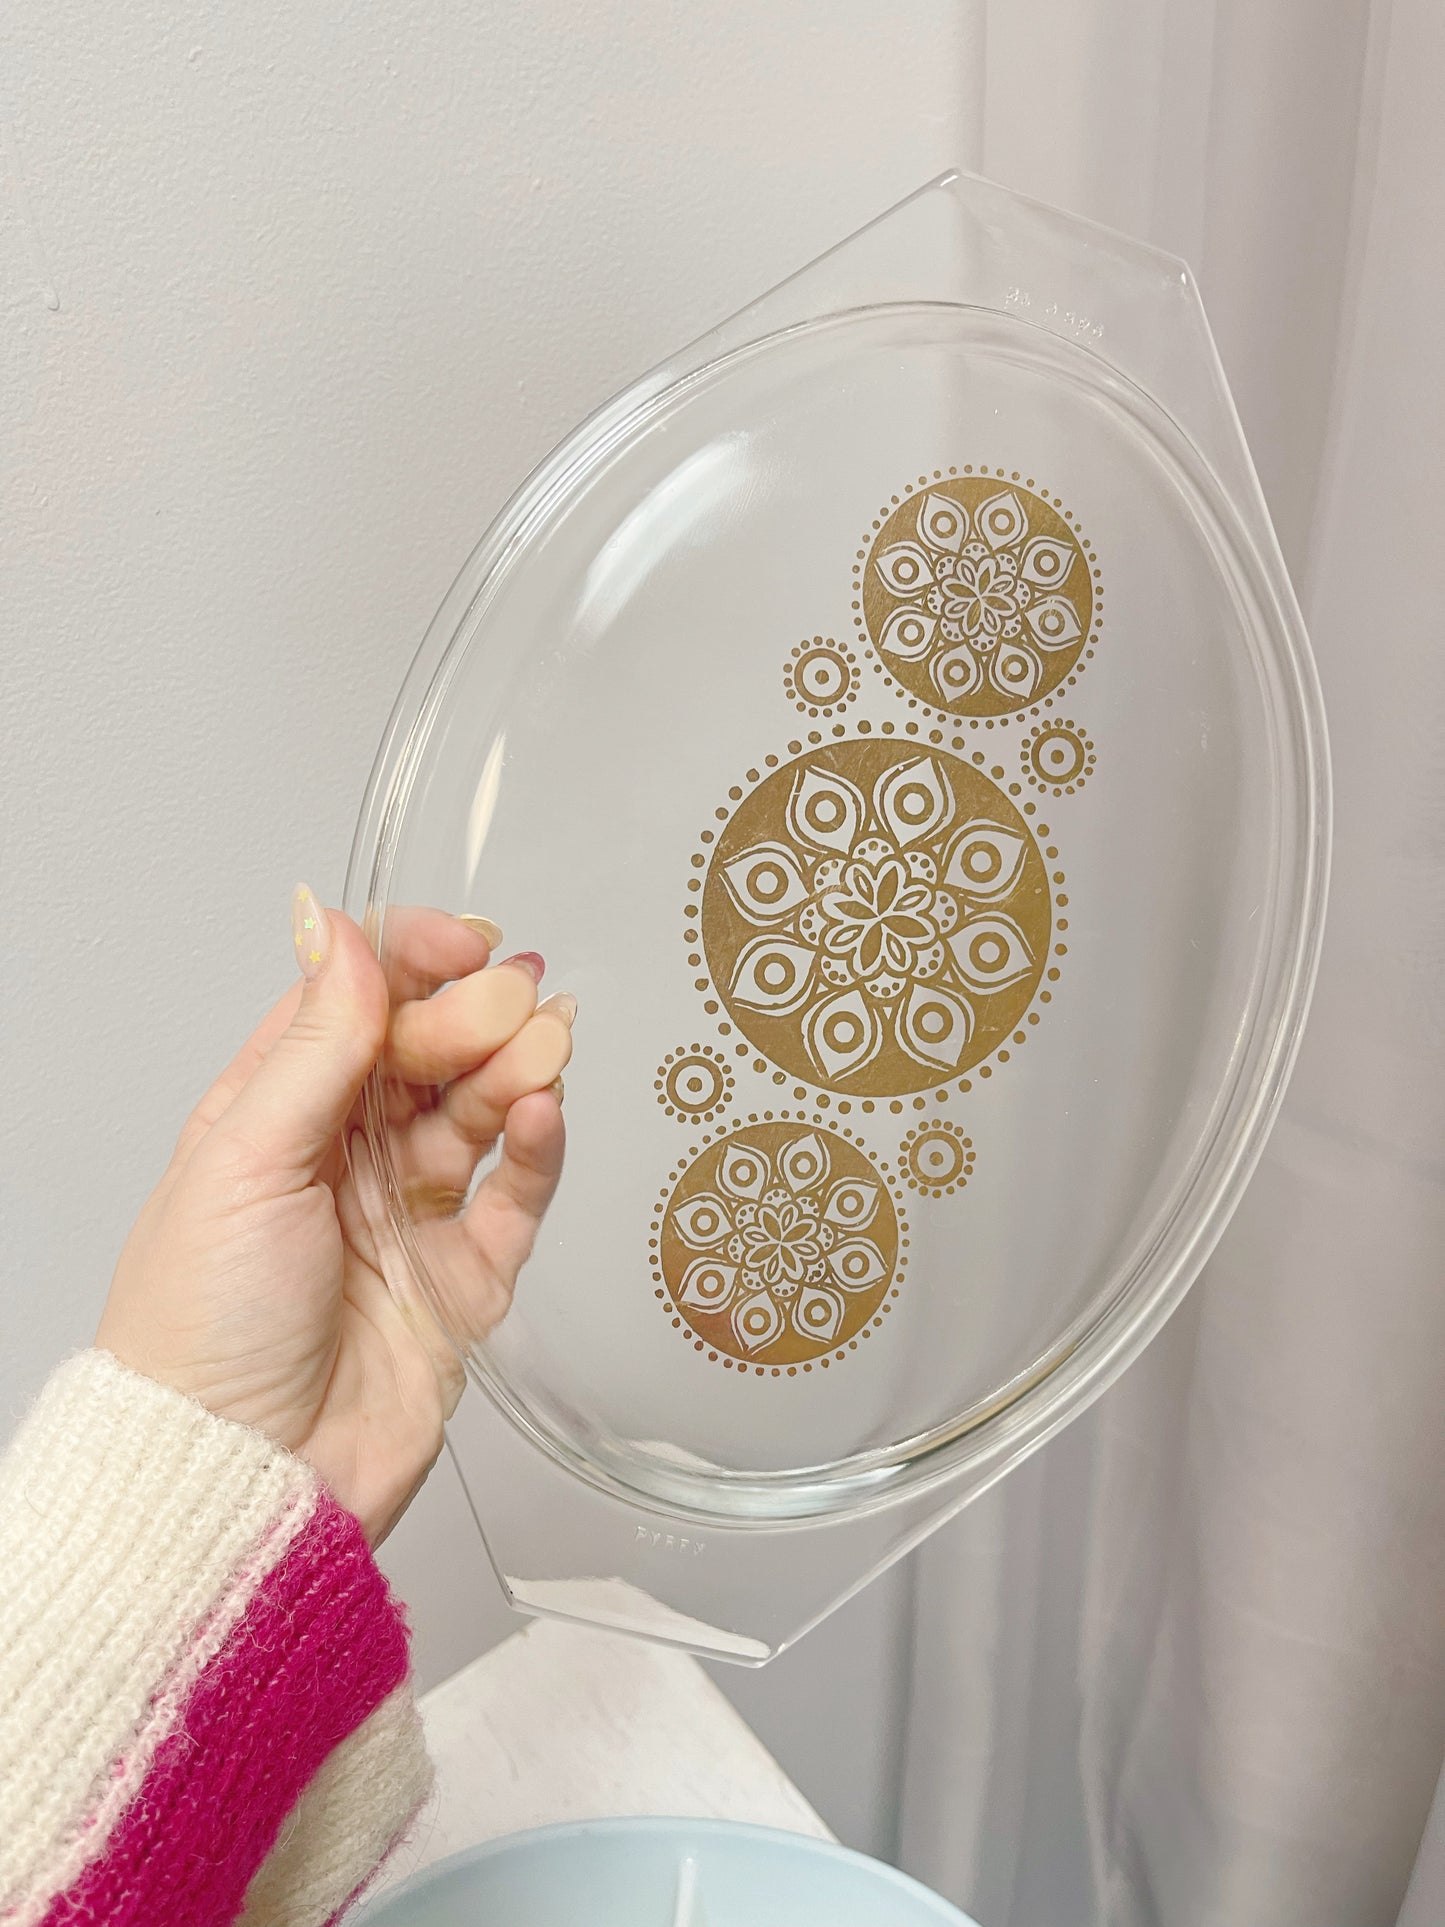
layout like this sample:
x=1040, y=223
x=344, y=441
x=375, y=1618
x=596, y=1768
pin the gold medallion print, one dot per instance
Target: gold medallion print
x=1058, y=757
x=694, y=1083
x=937, y=1158
x=777, y=1245
x=876, y=917
x=978, y=593
x=821, y=676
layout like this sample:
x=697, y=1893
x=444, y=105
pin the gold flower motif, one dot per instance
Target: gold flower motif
x=876, y=917
x=778, y=1243
x=881, y=919
x=978, y=595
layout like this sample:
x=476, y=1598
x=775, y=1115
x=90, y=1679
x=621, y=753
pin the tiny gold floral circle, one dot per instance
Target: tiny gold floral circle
x=779, y=1243
x=937, y=1158
x=821, y=676
x=1058, y=757
x=978, y=595
x=694, y=1084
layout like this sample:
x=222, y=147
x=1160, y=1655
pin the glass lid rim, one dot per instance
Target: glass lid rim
x=977, y=1445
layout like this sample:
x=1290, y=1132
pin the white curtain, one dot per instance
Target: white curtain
x=1187, y=1669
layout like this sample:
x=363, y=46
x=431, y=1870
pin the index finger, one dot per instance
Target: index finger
x=436, y=1039
x=423, y=948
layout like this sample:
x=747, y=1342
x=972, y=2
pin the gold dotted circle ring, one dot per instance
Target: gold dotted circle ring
x=1058, y=757
x=821, y=676
x=937, y=1158
x=693, y=1083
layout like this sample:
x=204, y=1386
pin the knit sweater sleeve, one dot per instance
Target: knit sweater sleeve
x=205, y=1707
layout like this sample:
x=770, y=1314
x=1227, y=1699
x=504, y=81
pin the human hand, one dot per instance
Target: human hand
x=260, y=1277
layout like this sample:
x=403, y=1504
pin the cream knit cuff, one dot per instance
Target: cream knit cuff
x=146, y=1548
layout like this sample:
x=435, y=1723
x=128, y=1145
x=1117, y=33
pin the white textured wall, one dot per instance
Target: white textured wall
x=290, y=298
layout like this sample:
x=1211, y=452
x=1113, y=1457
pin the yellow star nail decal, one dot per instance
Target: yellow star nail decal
x=315, y=956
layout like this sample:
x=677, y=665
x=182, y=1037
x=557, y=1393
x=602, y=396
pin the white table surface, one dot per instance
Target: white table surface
x=562, y=1722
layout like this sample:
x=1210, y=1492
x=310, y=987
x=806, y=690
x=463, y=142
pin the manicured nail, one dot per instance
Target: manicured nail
x=558, y=1089
x=484, y=927
x=310, y=932
x=561, y=1004
x=529, y=961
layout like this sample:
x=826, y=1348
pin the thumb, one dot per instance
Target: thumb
x=301, y=1093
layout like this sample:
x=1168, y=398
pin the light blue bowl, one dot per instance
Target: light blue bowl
x=631, y=1873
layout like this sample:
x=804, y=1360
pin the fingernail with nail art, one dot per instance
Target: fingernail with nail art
x=561, y=1004
x=310, y=932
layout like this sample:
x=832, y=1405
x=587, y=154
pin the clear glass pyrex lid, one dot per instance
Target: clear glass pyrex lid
x=892, y=721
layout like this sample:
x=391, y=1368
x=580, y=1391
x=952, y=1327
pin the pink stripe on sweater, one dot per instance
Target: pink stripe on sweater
x=319, y=1648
